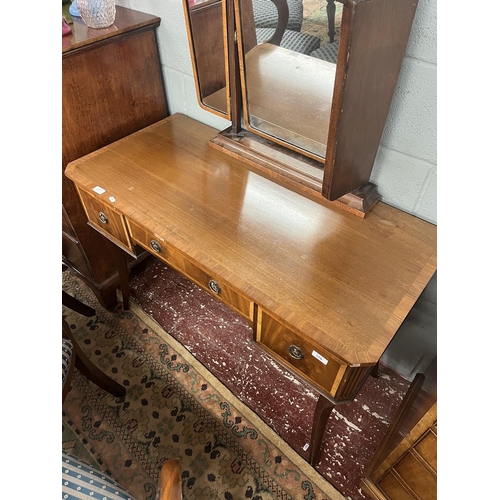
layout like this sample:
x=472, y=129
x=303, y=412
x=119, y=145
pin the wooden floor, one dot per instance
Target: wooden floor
x=222, y=341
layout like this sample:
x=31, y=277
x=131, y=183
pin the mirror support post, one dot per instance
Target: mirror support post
x=234, y=70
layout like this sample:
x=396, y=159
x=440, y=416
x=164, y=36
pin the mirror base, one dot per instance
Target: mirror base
x=291, y=169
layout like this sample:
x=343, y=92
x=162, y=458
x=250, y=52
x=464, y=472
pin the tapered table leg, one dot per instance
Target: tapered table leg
x=121, y=263
x=375, y=371
x=323, y=409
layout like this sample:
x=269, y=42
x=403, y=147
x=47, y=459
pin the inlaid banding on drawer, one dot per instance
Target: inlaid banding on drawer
x=313, y=363
x=106, y=221
x=174, y=258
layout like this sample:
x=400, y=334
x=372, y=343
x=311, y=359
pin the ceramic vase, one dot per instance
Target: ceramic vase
x=97, y=13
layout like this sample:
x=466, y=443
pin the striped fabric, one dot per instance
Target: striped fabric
x=266, y=14
x=328, y=52
x=67, y=349
x=82, y=482
x=292, y=40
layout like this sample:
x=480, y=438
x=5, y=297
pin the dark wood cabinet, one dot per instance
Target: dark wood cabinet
x=112, y=86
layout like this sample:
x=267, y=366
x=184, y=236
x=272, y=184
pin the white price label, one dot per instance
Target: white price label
x=318, y=356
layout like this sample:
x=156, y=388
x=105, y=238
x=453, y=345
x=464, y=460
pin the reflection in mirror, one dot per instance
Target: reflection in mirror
x=288, y=74
x=207, y=29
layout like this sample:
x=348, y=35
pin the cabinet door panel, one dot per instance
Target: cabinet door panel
x=427, y=448
x=417, y=477
x=393, y=489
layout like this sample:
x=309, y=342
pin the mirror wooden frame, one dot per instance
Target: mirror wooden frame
x=211, y=77
x=373, y=39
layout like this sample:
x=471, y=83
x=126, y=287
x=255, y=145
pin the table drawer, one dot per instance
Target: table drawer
x=312, y=363
x=107, y=221
x=174, y=258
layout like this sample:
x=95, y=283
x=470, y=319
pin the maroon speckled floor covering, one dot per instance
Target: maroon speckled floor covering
x=222, y=341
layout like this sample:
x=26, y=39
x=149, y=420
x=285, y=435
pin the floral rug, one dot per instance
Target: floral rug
x=174, y=408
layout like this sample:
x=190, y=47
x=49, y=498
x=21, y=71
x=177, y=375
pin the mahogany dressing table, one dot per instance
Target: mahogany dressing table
x=324, y=290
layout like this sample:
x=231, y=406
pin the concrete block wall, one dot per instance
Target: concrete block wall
x=405, y=169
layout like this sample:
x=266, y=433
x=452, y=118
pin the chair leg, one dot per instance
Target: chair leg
x=90, y=370
x=69, y=377
x=76, y=305
x=170, y=480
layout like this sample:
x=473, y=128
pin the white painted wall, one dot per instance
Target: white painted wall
x=405, y=168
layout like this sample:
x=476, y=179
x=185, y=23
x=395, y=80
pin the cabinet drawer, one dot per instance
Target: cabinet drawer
x=107, y=221
x=212, y=284
x=313, y=363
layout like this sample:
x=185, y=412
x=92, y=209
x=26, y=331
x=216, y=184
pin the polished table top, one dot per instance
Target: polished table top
x=345, y=282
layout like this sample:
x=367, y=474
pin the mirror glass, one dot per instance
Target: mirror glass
x=288, y=80
x=207, y=35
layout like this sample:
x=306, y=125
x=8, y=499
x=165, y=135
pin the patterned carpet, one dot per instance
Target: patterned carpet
x=173, y=408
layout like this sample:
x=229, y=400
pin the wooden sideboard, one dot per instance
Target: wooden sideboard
x=324, y=290
x=112, y=85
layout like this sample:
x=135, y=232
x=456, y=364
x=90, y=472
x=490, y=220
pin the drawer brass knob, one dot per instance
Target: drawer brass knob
x=102, y=217
x=155, y=246
x=295, y=352
x=214, y=286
